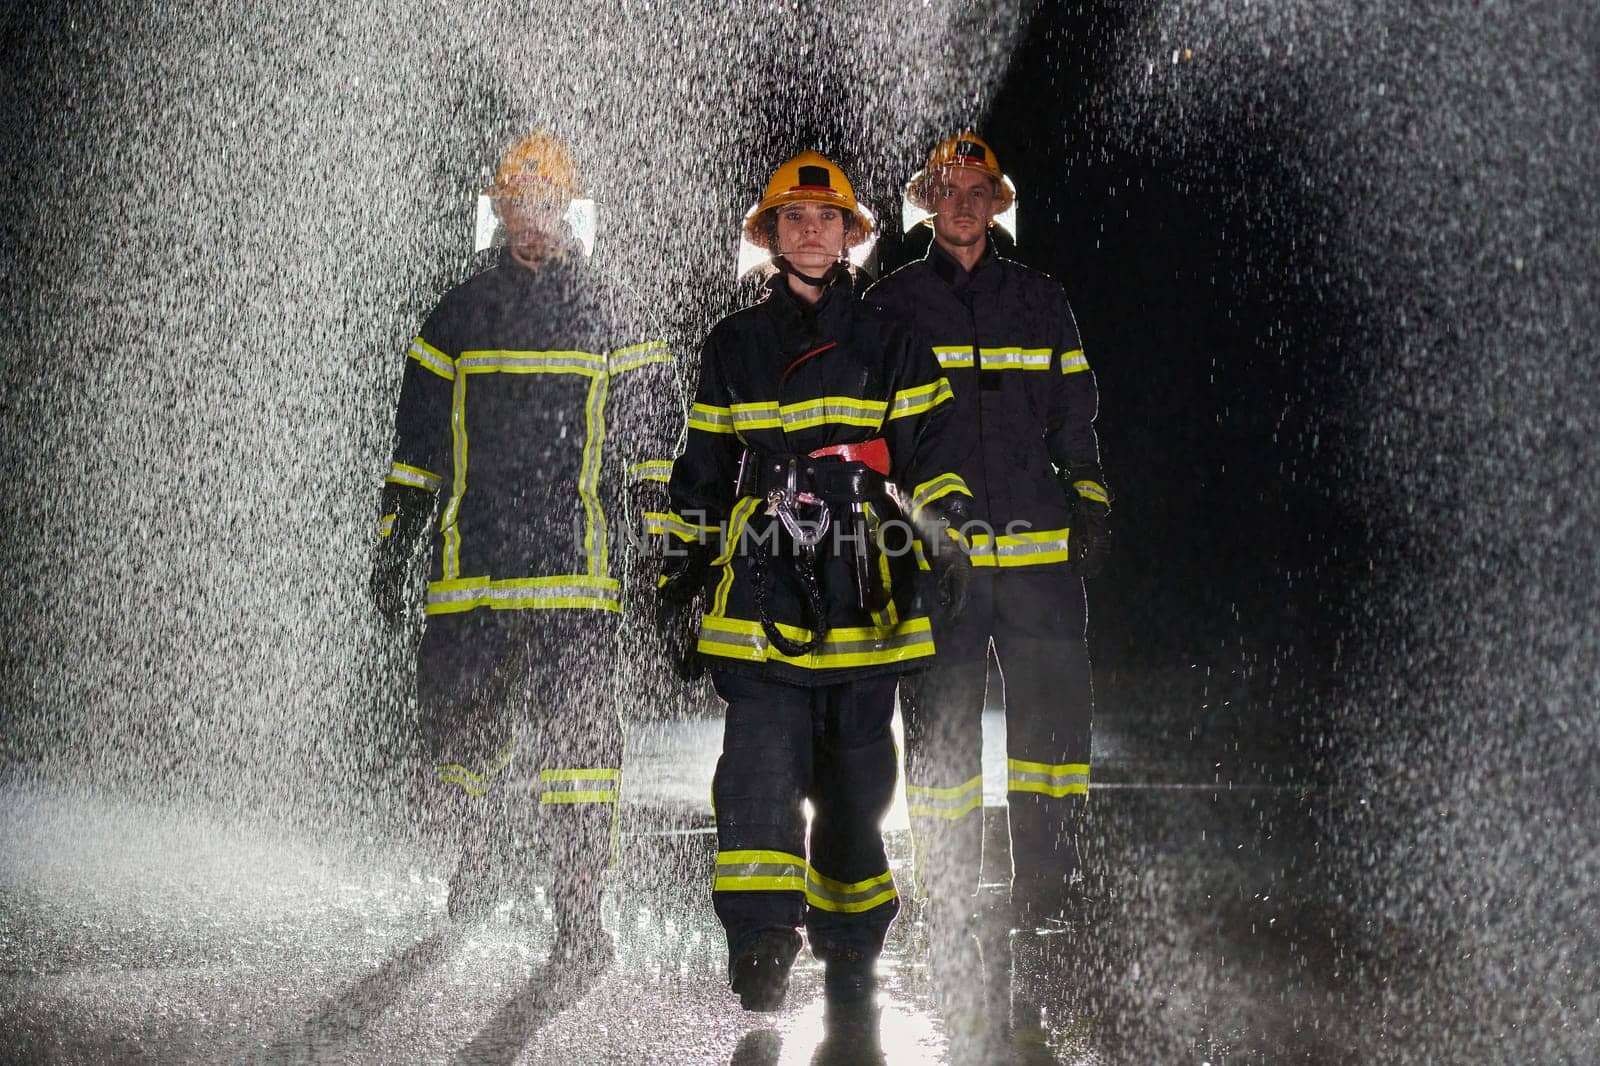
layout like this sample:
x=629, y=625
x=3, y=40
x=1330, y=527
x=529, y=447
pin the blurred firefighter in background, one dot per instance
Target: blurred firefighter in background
x=817, y=429
x=1025, y=404
x=535, y=411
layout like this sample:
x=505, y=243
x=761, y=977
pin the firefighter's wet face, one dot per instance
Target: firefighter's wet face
x=534, y=226
x=963, y=204
x=810, y=236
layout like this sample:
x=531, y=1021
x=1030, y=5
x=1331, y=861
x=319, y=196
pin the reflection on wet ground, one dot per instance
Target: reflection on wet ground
x=152, y=936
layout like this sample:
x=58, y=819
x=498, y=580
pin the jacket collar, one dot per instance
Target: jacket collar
x=981, y=277
x=825, y=316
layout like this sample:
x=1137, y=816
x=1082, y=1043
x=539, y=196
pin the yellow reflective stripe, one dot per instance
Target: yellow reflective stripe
x=934, y=488
x=730, y=543
x=890, y=615
x=588, y=785
x=1062, y=779
x=759, y=871
x=524, y=593
x=737, y=638
x=1074, y=362
x=1093, y=490
x=915, y=401
x=1015, y=358
x=651, y=470
x=432, y=359
x=839, y=897
x=478, y=782
x=1032, y=548
x=450, y=563
x=413, y=477
x=709, y=419
x=596, y=545
x=634, y=356
x=386, y=525
x=953, y=355
x=949, y=803
x=671, y=524
x=512, y=362
x=832, y=410
x=765, y=414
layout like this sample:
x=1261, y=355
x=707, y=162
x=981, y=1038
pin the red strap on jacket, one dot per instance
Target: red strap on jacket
x=874, y=452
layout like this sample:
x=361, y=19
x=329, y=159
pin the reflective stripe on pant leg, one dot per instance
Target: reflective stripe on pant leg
x=943, y=711
x=851, y=893
x=760, y=877
x=479, y=781
x=1039, y=640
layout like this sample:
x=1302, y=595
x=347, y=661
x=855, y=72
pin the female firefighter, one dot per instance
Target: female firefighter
x=814, y=445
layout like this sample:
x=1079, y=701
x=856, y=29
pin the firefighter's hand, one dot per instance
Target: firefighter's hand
x=1089, y=545
x=388, y=588
x=952, y=571
x=677, y=619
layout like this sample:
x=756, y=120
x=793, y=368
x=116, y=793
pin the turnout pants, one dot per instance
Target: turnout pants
x=518, y=717
x=783, y=745
x=1034, y=619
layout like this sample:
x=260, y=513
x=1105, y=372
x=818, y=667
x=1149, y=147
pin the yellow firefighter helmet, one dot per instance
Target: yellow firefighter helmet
x=809, y=177
x=536, y=164
x=965, y=149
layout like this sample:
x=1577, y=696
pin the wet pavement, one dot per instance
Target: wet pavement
x=148, y=935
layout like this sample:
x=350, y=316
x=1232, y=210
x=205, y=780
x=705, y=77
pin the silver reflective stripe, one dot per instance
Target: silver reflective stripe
x=922, y=398
x=948, y=803
x=494, y=593
x=710, y=419
x=637, y=355
x=1016, y=358
x=652, y=470
x=414, y=477
x=1074, y=362
x=935, y=488
x=862, y=895
x=432, y=358
x=1051, y=780
x=530, y=362
x=827, y=649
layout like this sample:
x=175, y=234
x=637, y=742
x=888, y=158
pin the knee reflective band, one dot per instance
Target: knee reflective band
x=948, y=803
x=825, y=893
x=780, y=871
x=476, y=783
x=759, y=871
x=1064, y=779
x=590, y=785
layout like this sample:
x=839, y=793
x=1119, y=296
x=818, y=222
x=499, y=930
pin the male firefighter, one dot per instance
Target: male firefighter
x=1025, y=403
x=532, y=403
x=809, y=403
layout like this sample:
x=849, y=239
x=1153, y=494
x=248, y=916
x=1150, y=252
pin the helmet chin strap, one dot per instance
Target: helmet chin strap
x=815, y=282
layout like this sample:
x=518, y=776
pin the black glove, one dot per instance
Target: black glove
x=1090, y=543
x=952, y=570
x=678, y=594
x=388, y=587
x=391, y=583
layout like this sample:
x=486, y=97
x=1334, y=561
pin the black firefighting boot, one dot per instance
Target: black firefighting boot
x=849, y=977
x=759, y=970
x=1035, y=977
x=474, y=887
x=956, y=976
x=582, y=947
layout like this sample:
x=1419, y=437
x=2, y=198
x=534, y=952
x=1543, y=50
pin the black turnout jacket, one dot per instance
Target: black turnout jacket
x=782, y=378
x=1025, y=398
x=532, y=401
